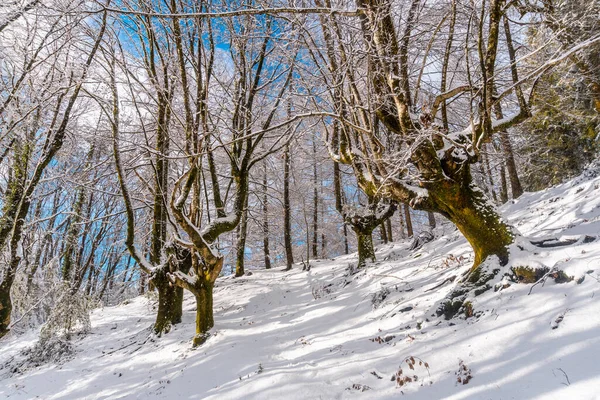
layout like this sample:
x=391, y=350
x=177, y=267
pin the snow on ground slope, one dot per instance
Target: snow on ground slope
x=331, y=334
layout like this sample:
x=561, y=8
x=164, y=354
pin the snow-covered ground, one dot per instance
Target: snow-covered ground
x=329, y=334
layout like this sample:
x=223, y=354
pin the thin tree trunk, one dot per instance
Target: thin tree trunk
x=315, y=227
x=408, y=220
x=515, y=183
x=485, y=159
x=346, y=245
x=241, y=243
x=504, y=185
x=384, y=237
x=388, y=225
x=73, y=234
x=265, y=205
x=444, y=77
x=431, y=217
x=110, y=271
x=142, y=283
x=287, y=217
x=401, y=220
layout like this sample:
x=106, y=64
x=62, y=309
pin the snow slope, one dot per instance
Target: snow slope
x=330, y=334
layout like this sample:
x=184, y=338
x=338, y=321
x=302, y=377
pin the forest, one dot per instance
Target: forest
x=178, y=151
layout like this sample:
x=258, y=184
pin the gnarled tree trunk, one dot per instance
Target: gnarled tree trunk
x=363, y=222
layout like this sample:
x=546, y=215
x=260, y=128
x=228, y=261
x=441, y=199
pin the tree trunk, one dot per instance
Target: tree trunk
x=108, y=277
x=388, y=225
x=241, y=243
x=265, y=206
x=315, y=221
x=204, y=311
x=346, y=246
x=364, y=222
x=169, y=308
x=287, y=217
x=503, y=185
x=143, y=279
x=487, y=171
x=366, y=251
x=431, y=217
x=408, y=220
x=476, y=218
x=5, y=300
x=73, y=233
x=401, y=220
x=384, y=237
x=11, y=227
x=511, y=166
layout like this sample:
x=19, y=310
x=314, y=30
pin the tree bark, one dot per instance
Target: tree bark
x=315, y=221
x=408, y=220
x=346, y=244
x=388, y=225
x=503, y=185
x=241, y=243
x=287, y=212
x=513, y=177
x=363, y=222
x=401, y=220
x=431, y=217
x=384, y=237
x=476, y=218
x=265, y=205
x=204, y=312
x=487, y=172
x=169, y=310
x=366, y=251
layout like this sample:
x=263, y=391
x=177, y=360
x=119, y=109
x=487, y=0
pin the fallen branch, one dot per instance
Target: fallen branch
x=451, y=279
x=543, y=279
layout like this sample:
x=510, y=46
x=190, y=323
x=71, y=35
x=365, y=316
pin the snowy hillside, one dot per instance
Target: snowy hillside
x=333, y=334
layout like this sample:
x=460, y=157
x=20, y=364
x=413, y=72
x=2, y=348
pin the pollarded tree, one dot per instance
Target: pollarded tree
x=363, y=221
x=144, y=69
x=248, y=98
x=421, y=163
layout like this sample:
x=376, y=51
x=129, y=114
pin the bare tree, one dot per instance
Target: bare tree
x=27, y=172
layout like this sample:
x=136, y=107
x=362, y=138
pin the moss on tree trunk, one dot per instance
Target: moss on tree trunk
x=363, y=223
x=366, y=251
x=476, y=218
x=5, y=304
x=204, y=311
x=169, y=309
x=169, y=303
x=170, y=297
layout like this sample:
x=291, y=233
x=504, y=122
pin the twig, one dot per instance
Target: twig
x=450, y=279
x=543, y=279
x=388, y=276
x=565, y=374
